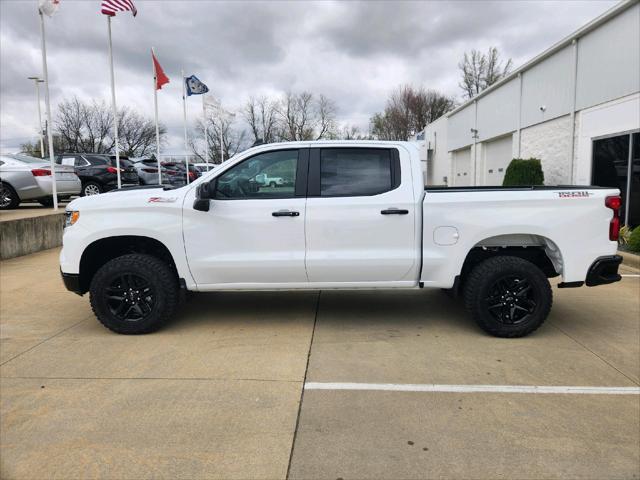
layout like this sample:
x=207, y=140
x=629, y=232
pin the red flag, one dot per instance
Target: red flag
x=161, y=78
x=111, y=7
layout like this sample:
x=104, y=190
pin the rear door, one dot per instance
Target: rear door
x=360, y=224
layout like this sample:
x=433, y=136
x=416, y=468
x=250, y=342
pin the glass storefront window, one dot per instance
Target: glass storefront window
x=616, y=166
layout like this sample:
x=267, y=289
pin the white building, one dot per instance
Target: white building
x=575, y=106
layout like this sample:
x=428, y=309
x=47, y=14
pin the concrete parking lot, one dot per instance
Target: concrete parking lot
x=219, y=392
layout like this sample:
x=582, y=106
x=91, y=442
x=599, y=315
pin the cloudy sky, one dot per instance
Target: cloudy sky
x=353, y=52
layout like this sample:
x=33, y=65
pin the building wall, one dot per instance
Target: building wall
x=551, y=143
x=609, y=60
x=438, y=170
x=599, y=67
x=498, y=112
x=548, y=84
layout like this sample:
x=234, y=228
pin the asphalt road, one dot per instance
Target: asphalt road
x=218, y=393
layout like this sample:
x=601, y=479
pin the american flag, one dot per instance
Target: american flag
x=111, y=7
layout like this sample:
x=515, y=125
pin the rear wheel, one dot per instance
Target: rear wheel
x=508, y=296
x=134, y=293
x=91, y=188
x=8, y=197
x=46, y=202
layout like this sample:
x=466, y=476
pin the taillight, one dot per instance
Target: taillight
x=40, y=172
x=112, y=170
x=192, y=175
x=150, y=170
x=614, y=203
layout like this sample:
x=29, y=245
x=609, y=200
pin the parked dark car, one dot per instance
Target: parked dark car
x=98, y=172
x=176, y=172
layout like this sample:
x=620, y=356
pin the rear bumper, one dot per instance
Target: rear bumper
x=604, y=270
x=71, y=282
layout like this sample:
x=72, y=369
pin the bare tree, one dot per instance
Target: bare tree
x=408, y=110
x=88, y=127
x=481, y=70
x=303, y=117
x=220, y=130
x=262, y=116
x=137, y=134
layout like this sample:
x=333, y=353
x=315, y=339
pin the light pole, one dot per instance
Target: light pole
x=37, y=81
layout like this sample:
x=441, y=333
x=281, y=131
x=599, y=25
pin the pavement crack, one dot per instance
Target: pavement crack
x=304, y=381
x=595, y=354
x=44, y=341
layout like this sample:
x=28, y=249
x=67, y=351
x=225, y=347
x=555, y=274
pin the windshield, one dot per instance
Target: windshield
x=25, y=158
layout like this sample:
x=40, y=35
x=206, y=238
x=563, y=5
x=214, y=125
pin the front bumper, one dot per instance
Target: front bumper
x=71, y=282
x=604, y=270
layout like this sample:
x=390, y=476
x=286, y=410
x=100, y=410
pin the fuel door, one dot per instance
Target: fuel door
x=445, y=236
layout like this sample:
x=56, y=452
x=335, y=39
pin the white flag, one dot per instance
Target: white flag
x=48, y=7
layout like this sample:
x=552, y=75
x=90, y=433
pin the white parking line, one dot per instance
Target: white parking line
x=411, y=387
x=630, y=275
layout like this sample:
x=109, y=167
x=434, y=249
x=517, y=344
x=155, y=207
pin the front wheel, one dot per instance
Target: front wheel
x=508, y=296
x=134, y=293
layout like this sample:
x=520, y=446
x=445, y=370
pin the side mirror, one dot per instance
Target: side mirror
x=204, y=193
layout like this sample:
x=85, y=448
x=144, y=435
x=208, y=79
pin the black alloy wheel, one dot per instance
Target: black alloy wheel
x=130, y=297
x=511, y=300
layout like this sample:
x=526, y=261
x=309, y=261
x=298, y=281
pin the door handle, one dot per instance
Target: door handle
x=285, y=213
x=394, y=211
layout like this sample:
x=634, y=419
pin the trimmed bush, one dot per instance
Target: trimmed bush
x=523, y=172
x=634, y=240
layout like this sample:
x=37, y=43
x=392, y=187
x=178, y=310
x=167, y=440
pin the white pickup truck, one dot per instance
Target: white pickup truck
x=357, y=217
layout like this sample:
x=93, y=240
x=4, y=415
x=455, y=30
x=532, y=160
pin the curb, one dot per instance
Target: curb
x=629, y=259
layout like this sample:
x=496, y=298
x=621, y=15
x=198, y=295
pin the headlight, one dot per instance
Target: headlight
x=71, y=217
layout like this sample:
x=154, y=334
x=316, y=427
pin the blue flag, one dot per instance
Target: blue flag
x=195, y=86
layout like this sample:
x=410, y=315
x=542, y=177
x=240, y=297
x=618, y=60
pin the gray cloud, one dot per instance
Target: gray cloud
x=354, y=52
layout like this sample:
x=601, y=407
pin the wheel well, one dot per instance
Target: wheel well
x=538, y=250
x=101, y=251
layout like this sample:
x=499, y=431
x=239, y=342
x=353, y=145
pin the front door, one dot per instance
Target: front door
x=253, y=234
x=361, y=217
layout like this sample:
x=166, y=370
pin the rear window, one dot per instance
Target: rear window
x=97, y=159
x=354, y=172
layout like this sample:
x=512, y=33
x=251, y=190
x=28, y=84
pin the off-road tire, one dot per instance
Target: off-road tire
x=14, y=200
x=483, y=278
x=158, y=274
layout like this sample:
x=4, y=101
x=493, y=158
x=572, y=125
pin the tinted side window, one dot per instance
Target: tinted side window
x=96, y=160
x=266, y=175
x=355, y=171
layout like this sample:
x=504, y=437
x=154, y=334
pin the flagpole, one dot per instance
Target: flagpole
x=206, y=138
x=184, y=111
x=45, y=73
x=113, y=102
x=155, y=103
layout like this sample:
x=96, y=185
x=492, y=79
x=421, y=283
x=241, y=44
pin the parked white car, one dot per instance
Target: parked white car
x=356, y=217
x=24, y=178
